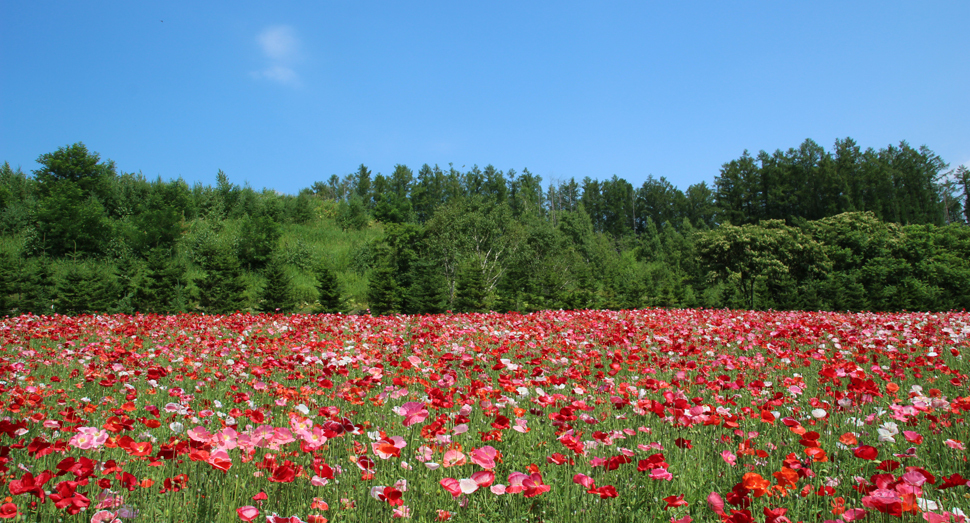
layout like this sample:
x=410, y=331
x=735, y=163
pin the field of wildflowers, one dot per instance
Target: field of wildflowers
x=652, y=415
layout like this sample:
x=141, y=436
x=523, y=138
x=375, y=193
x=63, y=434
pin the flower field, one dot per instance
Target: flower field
x=652, y=415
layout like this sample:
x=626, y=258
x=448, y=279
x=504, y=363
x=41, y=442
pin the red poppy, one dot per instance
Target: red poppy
x=675, y=501
x=604, y=492
x=865, y=452
x=8, y=511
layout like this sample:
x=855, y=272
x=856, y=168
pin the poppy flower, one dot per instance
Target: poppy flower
x=865, y=452
x=675, y=501
x=8, y=511
x=604, y=492
x=247, y=513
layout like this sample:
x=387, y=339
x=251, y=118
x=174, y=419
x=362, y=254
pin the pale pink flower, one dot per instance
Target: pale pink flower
x=954, y=444
x=484, y=457
x=467, y=486
x=104, y=516
x=88, y=438
x=413, y=412
x=200, y=434
x=661, y=473
x=453, y=458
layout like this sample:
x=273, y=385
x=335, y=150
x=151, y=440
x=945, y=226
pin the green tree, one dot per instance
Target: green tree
x=258, y=240
x=163, y=287
x=9, y=281
x=70, y=221
x=84, y=289
x=470, y=291
x=37, y=286
x=744, y=254
x=428, y=293
x=221, y=288
x=277, y=293
x=352, y=214
x=75, y=165
x=383, y=291
x=328, y=290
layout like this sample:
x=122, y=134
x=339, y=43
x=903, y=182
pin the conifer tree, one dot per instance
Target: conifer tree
x=9, y=279
x=383, y=292
x=222, y=288
x=470, y=290
x=429, y=290
x=37, y=287
x=73, y=292
x=328, y=290
x=162, y=288
x=277, y=294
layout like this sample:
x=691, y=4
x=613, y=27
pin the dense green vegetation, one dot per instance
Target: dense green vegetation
x=802, y=229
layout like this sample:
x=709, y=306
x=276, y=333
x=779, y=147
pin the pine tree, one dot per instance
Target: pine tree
x=162, y=288
x=429, y=290
x=222, y=289
x=37, y=287
x=328, y=290
x=9, y=279
x=383, y=292
x=73, y=291
x=277, y=294
x=470, y=290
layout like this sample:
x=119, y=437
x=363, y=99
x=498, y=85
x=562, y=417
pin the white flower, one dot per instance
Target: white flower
x=176, y=427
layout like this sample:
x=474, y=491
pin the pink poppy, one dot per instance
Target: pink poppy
x=484, y=457
x=413, y=412
x=453, y=458
x=247, y=513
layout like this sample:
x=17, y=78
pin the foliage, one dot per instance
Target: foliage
x=277, y=293
x=806, y=228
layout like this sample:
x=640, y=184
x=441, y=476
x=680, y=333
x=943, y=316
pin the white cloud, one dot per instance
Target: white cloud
x=278, y=42
x=281, y=47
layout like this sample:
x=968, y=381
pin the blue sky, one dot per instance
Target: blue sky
x=282, y=94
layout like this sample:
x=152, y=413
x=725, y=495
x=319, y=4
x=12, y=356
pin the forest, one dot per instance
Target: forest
x=809, y=229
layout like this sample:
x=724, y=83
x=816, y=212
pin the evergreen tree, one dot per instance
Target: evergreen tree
x=73, y=291
x=37, y=286
x=9, y=282
x=163, y=287
x=383, y=292
x=429, y=291
x=277, y=293
x=328, y=290
x=470, y=290
x=260, y=237
x=222, y=288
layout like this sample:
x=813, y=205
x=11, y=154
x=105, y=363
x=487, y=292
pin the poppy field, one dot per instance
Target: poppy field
x=647, y=415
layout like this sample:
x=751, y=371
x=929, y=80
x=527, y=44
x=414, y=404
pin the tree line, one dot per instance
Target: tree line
x=805, y=228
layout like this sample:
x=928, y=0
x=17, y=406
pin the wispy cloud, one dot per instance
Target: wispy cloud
x=281, y=48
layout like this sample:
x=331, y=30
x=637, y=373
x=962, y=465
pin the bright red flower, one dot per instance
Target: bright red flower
x=608, y=491
x=28, y=484
x=675, y=501
x=8, y=511
x=865, y=452
x=955, y=480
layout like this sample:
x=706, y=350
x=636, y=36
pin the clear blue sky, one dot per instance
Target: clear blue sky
x=282, y=94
